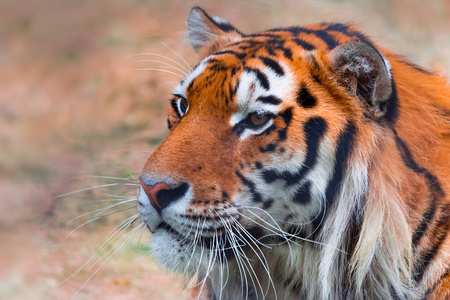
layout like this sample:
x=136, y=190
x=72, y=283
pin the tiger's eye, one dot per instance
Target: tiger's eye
x=258, y=119
x=184, y=105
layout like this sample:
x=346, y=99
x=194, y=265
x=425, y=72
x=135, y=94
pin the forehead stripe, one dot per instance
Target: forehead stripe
x=273, y=65
x=262, y=78
x=321, y=34
x=327, y=38
x=238, y=55
x=278, y=44
x=305, y=45
x=269, y=100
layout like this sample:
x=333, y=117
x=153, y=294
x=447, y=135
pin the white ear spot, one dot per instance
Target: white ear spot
x=220, y=20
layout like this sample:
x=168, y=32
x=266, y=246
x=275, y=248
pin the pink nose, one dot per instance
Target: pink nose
x=152, y=190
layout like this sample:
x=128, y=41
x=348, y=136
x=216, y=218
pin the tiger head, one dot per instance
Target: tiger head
x=271, y=140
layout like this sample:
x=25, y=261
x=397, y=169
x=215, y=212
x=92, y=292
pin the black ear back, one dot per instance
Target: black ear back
x=366, y=74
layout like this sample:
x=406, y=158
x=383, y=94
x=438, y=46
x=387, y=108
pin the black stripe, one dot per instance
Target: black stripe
x=314, y=130
x=439, y=235
x=233, y=71
x=286, y=51
x=237, y=54
x=287, y=116
x=417, y=67
x=282, y=134
x=391, y=105
x=428, y=215
x=344, y=148
x=324, y=34
x=191, y=84
x=266, y=34
x=212, y=60
x=173, y=103
x=345, y=30
x=305, y=45
x=248, y=44
x=305, y=99
x=405, y=61
x=251, y=186
x=303, y=194
x=435, y=285
x=273, y=65
x=269, y=148
x=268, y=204
x=273, y=44
x=262, y=78
x=433, y=184
x=269, y=100
x=327, y=38
x=337, y=27
x=239, y=128
x=319, y=33
x=217, y=67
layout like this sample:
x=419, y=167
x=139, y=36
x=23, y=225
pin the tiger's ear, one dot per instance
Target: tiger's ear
x=365, y=74
x=209, y=34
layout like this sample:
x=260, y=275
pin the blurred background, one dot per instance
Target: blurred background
x=74, y=110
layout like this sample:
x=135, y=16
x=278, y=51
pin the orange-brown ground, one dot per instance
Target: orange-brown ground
x=71, y=105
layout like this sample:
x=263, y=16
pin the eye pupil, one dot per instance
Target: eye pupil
x=184, y=105
x=258, y=119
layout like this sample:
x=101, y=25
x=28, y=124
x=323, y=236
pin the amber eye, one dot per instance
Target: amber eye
x=184, y=105
x=258, y=119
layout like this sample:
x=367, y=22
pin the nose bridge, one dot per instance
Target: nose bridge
x=185, y=152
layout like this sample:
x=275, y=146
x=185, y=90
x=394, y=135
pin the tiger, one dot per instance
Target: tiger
x=302, y=162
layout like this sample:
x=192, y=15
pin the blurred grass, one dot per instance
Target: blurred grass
x=71, y=106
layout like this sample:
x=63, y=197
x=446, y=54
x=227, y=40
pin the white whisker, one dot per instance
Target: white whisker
x=161, y=70
x=107, y=177
x=162, y=56
x=160, y=62
x=101, y=210
x=190, y=68
x=87, y=189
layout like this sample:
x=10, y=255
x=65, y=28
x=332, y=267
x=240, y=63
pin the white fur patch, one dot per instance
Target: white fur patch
x=250, y=90
x=181, y=88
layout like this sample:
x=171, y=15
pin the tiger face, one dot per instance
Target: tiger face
x=272, y=138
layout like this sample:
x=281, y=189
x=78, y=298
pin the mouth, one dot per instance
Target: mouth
x=227, y=244
x=169, y=229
